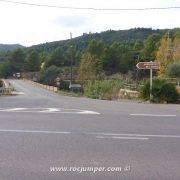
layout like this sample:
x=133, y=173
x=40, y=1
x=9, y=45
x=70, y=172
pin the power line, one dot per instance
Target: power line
x=91, y=8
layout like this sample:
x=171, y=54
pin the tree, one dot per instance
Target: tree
x=173, y=70
x=164, y=55
x=127, y=63
x=117, y=58
x=168, y=52
x=90, y=68
x=176, y=48
x=32, y=61
x=71, y=55
x=50, y=74
x=56, y=58
x=150, y=47
x=5, y=69
x=17, y=59
x=96, y=48
x=112, y=57
x=138, y=46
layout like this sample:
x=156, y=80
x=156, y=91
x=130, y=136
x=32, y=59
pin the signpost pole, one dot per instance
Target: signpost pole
x=151, y=83
x=149, y=65
x=71, y=59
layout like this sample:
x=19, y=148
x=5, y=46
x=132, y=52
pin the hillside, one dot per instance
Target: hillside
x=108, y=53
x=124, y=36
x=9, y=47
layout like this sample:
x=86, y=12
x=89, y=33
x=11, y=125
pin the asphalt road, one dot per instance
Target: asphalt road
x=41, y=132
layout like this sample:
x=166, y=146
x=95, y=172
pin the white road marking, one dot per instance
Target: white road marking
x=154, y=115
x=13, y=109
x=49, y=110
x=88, y=112
x=137, y=135
x=97, y=135
x=33, y=131
x=118, y=137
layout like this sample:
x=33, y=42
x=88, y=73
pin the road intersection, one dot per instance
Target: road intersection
x=40, y=129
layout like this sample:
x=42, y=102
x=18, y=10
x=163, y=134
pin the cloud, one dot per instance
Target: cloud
x=70, y=21
x=30, y=25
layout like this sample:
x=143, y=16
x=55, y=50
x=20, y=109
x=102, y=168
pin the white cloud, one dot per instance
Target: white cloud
x=71, y=21
x=32, y=25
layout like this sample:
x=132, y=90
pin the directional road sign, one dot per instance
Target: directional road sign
x=148, y=65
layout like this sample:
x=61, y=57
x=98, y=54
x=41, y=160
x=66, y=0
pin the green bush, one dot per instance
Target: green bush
x=64, y=85
x=5, y=69
x=1, y=83
x=162, y=91
x=107, y=89
x=173, y=70
x=49, y=75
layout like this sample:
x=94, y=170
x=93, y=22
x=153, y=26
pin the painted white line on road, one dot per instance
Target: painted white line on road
x=99, y=135
x=33, y=131
x=49, y=110
x=13, y=109
x=118, y=137
x=88, y=112
x=154, y=115
x=136, y=135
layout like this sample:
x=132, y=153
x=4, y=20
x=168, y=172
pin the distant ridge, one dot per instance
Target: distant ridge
x=123, y=36
x=9, y=47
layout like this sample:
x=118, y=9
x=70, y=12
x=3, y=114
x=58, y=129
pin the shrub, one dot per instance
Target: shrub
x=1, y=83
x=107, y=89
x=5, y=69
x=64, y=85
x=50, y=74
x=173, y=70
x=161, y=91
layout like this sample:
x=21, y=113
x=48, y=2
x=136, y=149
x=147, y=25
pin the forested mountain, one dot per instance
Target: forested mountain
x=128, y=37
x=9, y=47
x=97, y=54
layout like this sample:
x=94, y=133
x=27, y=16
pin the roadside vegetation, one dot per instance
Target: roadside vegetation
x=103, y=63
x=106, y=89
x=162, y=92
x=173, y=70
x=1, y=83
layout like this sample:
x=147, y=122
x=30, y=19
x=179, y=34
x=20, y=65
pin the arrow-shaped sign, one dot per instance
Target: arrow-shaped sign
x=148, y=65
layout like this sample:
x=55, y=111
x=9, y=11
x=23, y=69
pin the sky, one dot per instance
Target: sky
x=30, y=25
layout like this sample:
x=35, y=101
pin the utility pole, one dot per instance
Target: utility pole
x=151, y=83
x=71, y=60
x=168, y=46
